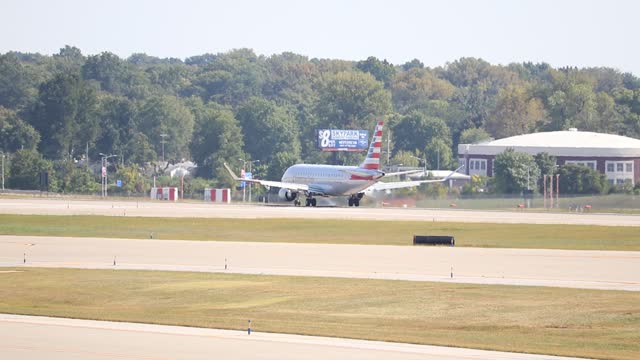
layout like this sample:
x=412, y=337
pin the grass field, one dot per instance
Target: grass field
x=572, y=322
x=577, y=237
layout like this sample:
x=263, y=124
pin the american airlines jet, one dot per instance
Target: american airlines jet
x=335, y=180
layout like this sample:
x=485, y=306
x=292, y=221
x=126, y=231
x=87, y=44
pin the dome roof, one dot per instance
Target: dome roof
x=560, y=143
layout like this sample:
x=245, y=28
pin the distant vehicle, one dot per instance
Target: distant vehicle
x=314, y=180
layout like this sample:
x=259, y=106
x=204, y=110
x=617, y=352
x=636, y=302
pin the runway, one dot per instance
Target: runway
x=39, y=337
x=610, y=270
x=32, y=337
x=203, y=210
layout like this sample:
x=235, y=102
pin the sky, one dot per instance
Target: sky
x=585, y=33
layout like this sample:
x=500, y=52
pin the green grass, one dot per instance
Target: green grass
x=579, y=237
x=571, y=322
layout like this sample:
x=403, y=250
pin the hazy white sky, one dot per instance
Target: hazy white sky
x=575, y=33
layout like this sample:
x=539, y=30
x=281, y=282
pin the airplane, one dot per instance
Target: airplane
x=337, y=180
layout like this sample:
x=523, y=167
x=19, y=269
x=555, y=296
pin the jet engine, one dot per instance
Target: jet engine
x=286, y=194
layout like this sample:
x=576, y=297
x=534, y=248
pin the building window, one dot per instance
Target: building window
x=620, y=172
x=591, y=164
x=477, y=167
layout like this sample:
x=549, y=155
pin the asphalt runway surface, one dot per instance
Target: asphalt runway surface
x=35, y=338
x=38, y=337
x=204, y=210
x=610, y=270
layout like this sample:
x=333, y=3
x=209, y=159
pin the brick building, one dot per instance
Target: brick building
x=618, y=157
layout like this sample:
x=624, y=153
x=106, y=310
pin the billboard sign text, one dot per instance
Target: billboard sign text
x=343, y=140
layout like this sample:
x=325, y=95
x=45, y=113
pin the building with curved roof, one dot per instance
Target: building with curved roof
x=618, y=157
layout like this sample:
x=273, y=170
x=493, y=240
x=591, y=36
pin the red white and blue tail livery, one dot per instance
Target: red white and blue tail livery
x=372, y=161
x=336, y=180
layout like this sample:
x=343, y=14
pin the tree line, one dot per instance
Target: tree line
x=55, y=110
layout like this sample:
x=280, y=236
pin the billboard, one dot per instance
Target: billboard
x=343, y=140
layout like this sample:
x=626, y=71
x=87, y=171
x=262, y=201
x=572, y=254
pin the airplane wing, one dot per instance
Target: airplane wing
x=267, y=183
x=407, y=172
x=405, y=184
x=400, y=184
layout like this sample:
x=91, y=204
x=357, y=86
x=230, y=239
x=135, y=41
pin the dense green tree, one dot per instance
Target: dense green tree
x=466, y=72
x=107, y=69
x=273, y=133
x=16, y=83
x=416, y=130
x=68, y=60
x=166, y=115
x=474, y=136
x=217, y=139
x=576, y=179
x=352, y=100
x=140, y=149
x=515, y=172
x=291, y=83
x=15, y=133
x=230, y=78
x=413, y=64
x=111, y=105
x=116, y=116
x=573, y=102
x=382, y=70
x=413, y=89
x=26, y=169
x=609, y=120
x=478, y=83
x=132, y=181
x=406, y=158
x=515, y=113
x=65, y=116
x=546, y=163
x=438, y=154
x=70, y=177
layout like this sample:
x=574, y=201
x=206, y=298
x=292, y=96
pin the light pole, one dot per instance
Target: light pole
x=105, y=163
x=424, y=161
x=2, y=170
x=162, y=142
x=244, y=163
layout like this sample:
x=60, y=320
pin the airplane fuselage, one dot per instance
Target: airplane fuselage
x=329, y=180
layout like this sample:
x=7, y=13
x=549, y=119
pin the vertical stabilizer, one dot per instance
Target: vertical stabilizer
x=372, y=161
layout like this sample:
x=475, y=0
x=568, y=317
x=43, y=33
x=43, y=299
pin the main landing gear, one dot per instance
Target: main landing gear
x=310, y=202
x=354, y=200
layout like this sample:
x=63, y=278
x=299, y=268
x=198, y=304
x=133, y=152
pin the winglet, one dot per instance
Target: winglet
x=233, y=175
